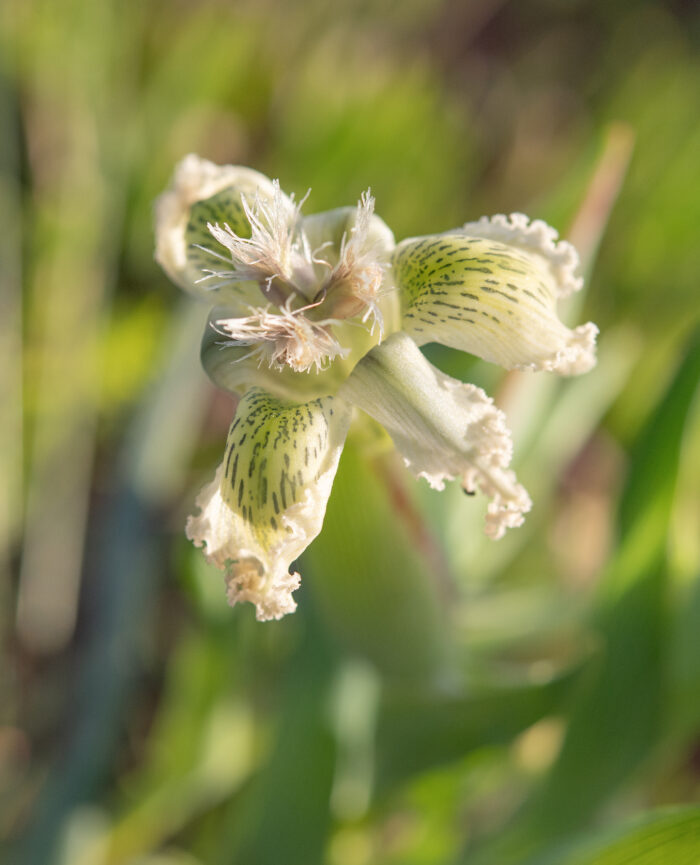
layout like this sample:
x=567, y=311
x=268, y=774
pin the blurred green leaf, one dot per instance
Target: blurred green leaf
x=686, y=661
x=349, y=120
x=419, y=730
x=287, y=807
x=620, y=717
x=660, y=838
x=190, y=724
x=551, y=422
x=373, y=584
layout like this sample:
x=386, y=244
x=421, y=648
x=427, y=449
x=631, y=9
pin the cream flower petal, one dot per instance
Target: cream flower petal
x=443, y=428
x=202, y=193
x=267, y=501
x=494, y=299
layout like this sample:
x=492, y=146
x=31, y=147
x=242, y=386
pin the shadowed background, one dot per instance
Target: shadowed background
x=437, y=697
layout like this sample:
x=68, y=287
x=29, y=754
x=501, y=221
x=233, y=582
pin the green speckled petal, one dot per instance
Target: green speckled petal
x=267, y=501
x=203, y=192
x=490, y=298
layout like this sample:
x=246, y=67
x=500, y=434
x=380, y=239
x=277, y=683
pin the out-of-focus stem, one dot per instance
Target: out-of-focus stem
x=68, y=292
x=591, y=219
x=11, y=497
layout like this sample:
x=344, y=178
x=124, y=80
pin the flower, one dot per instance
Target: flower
x=312, y=316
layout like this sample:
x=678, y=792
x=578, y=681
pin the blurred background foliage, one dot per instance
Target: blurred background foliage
x=437, y=698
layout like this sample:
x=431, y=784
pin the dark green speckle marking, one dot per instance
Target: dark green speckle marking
x=454, y=280
x=265, y=473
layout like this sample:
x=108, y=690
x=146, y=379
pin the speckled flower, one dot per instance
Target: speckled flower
x=314, y=315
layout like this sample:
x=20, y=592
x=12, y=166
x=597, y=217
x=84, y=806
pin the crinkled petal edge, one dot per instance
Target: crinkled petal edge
x=254, y=575
x=535, y=236
x=443, y=428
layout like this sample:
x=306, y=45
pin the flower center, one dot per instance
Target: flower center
x=285, y=338
x=307, y=295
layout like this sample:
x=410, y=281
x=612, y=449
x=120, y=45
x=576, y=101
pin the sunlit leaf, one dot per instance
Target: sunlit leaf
x=373, y=582
x=419, y=730
x=621, y=715
x=661, y=838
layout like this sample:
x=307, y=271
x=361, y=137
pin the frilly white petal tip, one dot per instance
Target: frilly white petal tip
x=535, y=236
x=261, y=579
x=271, y=593
x=578, y=355
x=508, y=500
x=243, y=579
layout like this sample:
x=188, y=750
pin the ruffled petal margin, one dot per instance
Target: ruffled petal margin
x=268, y=498
x=534, y=237
x=443, y=428
x=494, y=295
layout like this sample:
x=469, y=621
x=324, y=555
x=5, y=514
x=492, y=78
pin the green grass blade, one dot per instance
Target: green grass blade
x=419, y=730
x=375, y=589
x=660, y=838
x=620, y=718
